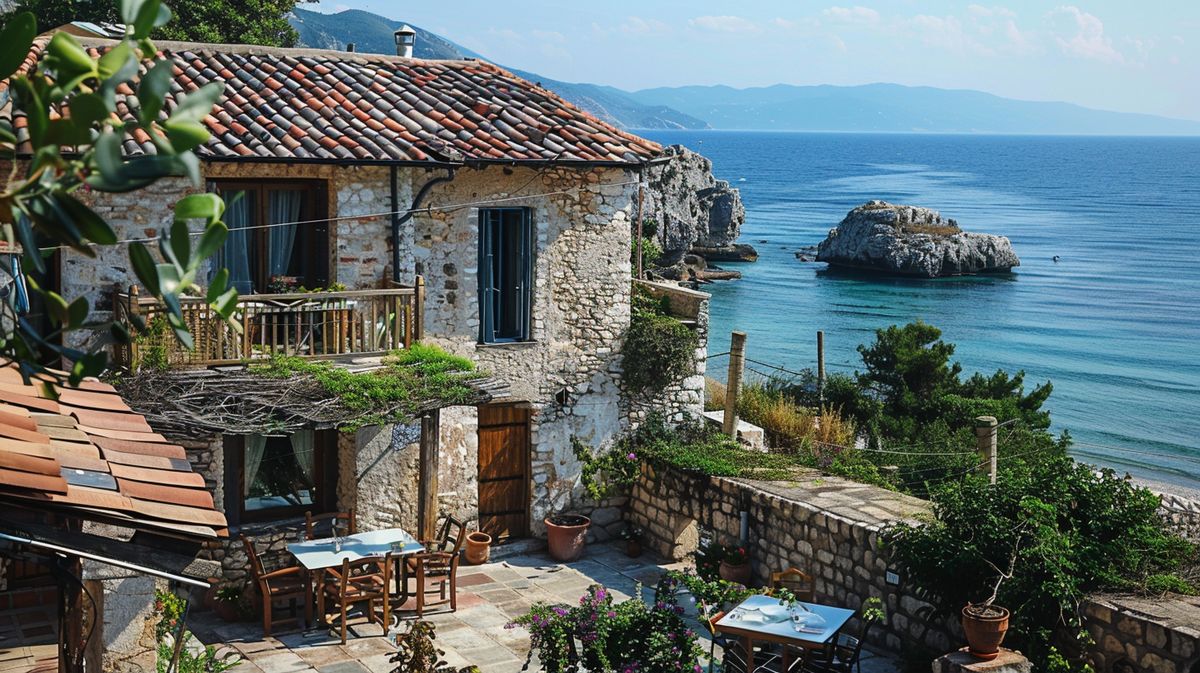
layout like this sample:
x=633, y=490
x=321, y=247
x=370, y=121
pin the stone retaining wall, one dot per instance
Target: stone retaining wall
x=826, y=526
x=1183, y=514
x=1151, y=635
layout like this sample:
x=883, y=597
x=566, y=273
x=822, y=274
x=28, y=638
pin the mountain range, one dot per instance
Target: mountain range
x=869, y=108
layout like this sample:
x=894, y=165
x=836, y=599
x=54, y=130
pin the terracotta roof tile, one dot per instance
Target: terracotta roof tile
x=92, y=457
x=432, y=100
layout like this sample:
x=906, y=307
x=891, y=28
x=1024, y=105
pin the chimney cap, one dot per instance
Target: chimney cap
x=405, y=34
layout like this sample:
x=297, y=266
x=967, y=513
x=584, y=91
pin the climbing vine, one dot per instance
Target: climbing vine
x=658, y=348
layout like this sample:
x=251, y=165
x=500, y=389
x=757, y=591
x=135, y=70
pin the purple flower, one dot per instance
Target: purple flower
x=561, y=612
x=632, y=456
x=611, y=614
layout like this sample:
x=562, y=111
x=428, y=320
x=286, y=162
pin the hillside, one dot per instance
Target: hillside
x=372, y=33
x=893, y=108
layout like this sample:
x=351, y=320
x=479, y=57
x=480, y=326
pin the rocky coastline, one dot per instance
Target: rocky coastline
x=696, y=217
x=911, y=241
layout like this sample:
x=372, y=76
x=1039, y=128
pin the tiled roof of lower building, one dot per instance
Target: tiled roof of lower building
x=87, y=454
x=329, y=106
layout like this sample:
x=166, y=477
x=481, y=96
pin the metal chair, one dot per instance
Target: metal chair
x=798, y=582
x=290, y=583
x=844, y=654
x=438, y=563
x=364, y=582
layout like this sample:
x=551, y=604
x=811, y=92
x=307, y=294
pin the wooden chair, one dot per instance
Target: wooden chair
x=796, y=581
x=364, y=582
x=438, y=564
x=290, y=584
x=321, y=525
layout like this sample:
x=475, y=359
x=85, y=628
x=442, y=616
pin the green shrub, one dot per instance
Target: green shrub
x=659, y=349
x=1062, y=529
x=409, y=378
x=698, y=448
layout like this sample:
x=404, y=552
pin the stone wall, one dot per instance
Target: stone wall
x=827, y=526
x=1182, y=514
x=1144, y=635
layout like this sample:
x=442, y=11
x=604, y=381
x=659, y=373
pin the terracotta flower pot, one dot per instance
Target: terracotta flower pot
x=566, y=535
x=633, y=548
x=226, y=610
x=739, y=574
x=479, y=547
x=985, y=626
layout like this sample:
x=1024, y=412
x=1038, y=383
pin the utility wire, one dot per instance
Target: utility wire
x=368, y=216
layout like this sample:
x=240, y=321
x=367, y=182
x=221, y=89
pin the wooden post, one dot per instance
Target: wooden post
x=134, y=307
x=427, y=487
x=985, y=433
x=641, y=198
x=419, y=309
x=821, y=366
x=737, y=363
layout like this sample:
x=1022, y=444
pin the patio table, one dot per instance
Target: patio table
x=317, y=555
x=374, y=544
x=747, y=622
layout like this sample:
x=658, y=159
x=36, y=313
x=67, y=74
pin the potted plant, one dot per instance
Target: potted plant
x=735, y=565
x=985, y=623
x=566, y=535
x=632, y=535
x=478, y=547
x=227, y=603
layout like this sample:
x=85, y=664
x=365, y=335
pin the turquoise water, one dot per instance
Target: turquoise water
x=1114, y=324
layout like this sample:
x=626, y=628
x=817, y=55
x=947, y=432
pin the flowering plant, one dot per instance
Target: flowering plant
x=735, y=555
x=631, y=533
x=631, y=636
x=606, y=473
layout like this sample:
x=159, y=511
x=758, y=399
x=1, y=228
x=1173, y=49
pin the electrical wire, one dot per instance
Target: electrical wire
x=369, y=216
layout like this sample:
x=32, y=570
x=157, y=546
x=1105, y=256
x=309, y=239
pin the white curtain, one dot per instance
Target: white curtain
x=235, y=254
x=282, y=206
x=256, y=445
x=302, y=450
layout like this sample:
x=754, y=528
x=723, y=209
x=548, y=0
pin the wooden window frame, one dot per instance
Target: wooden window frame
x=314, y=208
x=487, y=315
x=325, y=481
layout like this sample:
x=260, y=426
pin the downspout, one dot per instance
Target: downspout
x=398, y=218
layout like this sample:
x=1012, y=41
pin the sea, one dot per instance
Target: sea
x=1105, y=304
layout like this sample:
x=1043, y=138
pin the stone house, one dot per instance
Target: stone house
x=447, y=201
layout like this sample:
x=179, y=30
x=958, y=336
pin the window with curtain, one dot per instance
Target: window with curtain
x=278, y=240
x=505, y=274
x=280, y=476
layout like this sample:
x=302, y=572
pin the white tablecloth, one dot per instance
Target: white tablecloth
x=318, y=554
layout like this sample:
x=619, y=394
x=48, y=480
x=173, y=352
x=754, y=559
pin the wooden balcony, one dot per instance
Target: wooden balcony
x=304, y=324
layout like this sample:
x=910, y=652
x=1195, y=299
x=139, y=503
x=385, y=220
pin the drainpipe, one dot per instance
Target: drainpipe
x=398, y=218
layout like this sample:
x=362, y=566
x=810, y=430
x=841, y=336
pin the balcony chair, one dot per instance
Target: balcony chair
x=439, y=564
x=362, y=582
x=289, y=584
x=796, y=581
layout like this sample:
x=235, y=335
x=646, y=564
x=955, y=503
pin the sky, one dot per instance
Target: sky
x=1124, y=55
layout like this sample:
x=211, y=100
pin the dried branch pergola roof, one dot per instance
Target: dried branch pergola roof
x=196, y=403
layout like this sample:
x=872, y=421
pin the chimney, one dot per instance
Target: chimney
x=406, y=39
x=350, y=47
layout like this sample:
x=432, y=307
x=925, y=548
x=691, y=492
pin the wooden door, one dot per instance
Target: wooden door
x=504, y=471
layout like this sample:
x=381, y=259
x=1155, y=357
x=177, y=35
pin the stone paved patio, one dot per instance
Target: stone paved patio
x=489, y=597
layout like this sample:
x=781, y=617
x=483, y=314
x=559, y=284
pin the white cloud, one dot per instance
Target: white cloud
x=856, y=14
x=549, y=36
x=946, y=32
x=1082, y=35
x=803, y=23
x=723, y=24
x=636, y=25
x=989, y=12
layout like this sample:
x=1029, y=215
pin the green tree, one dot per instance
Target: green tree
x=221, y=21
x=74, y=142
x=919, y=390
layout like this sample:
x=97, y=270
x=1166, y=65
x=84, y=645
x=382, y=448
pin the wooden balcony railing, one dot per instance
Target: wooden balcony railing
x=305, y=324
